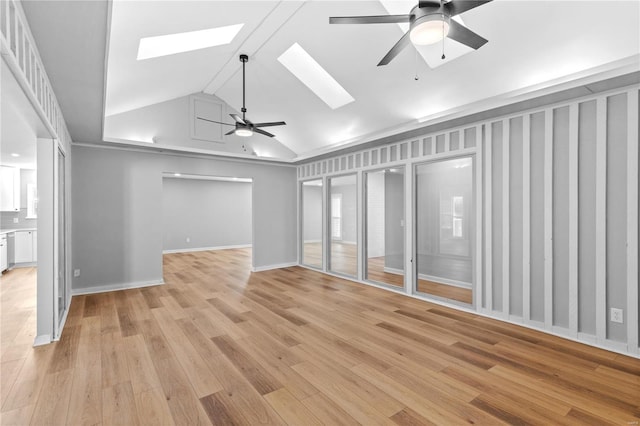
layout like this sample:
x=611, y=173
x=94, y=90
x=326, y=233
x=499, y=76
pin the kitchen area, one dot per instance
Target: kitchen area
x=20, y=128
x=18, y=217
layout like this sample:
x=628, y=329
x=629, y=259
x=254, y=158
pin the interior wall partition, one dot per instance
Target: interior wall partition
x=554, y=235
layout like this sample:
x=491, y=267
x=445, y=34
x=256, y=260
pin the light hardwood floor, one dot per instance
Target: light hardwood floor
x=220, y=345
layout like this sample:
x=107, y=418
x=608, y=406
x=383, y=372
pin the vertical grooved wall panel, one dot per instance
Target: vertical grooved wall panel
x=496, y=214
x=561, y=217
x=587, y=218
x=515, y=216
x=536, y=209
x=616, y=211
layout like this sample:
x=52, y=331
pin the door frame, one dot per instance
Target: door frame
x=476, y=235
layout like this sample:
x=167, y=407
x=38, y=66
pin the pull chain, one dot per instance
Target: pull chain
x=415, y=64
x=443, y=38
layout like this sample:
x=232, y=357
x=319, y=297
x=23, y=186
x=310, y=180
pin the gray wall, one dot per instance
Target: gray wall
x=210, y=213
x=312, y=213
x=375, y=205
x=393, y=219
x=117, y=207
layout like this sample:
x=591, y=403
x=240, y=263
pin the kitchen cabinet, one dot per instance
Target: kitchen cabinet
x=26, y=247
x=4, y=264
x=9, y=189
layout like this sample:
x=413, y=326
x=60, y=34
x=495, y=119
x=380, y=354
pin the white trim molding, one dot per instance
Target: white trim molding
x=115, y=287
x=196, y=249
x=275, y=266
x=41, y=340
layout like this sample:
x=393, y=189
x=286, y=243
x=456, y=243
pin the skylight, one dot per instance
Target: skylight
x=316, y=78
x=153, y=47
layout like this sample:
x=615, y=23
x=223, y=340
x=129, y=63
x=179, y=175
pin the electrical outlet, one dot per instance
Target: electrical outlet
x=15, y=220
x=76, y=272
x=188, y=239
x=616, y=315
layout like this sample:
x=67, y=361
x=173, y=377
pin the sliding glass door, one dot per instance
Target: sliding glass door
x=343, y=225
x=445, y=229
x=384, y=232
x=312, y=223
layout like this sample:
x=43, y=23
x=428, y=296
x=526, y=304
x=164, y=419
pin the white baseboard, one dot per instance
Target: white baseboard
x=269, y=267
x=114, y=287
x=312, y=241
x=23, y=265
x=394, y=271
x=190, y=250
x=447, y=281
x=43, y=339
x=351, y=243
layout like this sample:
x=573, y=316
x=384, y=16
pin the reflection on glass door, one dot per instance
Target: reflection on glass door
x=445, y=228
x=62, y=252
x=343, y=255
x=312, y=223
x=385, y=226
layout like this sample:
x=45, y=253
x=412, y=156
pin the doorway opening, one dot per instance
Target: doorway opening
x=445, y=229
x=205, y=214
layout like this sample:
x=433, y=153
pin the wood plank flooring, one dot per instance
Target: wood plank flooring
x=220, y=345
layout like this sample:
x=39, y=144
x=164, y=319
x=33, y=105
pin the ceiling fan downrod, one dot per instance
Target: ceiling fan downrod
x=244, y=59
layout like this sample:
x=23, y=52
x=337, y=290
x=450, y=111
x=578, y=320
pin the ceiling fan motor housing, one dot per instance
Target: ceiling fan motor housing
x=426, y=22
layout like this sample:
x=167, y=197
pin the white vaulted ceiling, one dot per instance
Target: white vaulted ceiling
x=531, y=44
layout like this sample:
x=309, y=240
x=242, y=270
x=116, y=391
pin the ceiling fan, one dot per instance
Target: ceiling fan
x=429, y=22
x=244, y=127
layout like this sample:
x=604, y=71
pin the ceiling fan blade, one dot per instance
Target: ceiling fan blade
x=382, y=19
x=262, y=132
x=275, y=123
x=456, y=7
x=464, y=35
x=429, y=3
x=237, y=118
x=213, y=121
x=230, y=133
x=401, y=44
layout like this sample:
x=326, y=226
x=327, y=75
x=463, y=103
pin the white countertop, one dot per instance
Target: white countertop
x=8, y=231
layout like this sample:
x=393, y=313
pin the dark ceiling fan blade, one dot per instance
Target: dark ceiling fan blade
x=465, y=36
x=382, y=19
x=275, y=123
x=213, y=121
x=456, y=7
x=237, y=118
x=401, y=44
x=429, y=3
x=262, y=132
x=230, y=133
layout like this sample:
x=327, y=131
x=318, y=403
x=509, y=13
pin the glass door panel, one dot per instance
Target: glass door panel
x=62, y=252
x=385, y=226
x=343, y=225
x=445, y=229
x=312, y=223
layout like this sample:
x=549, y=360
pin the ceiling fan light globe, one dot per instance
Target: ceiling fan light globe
x=244, y=132
x=429, y=32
